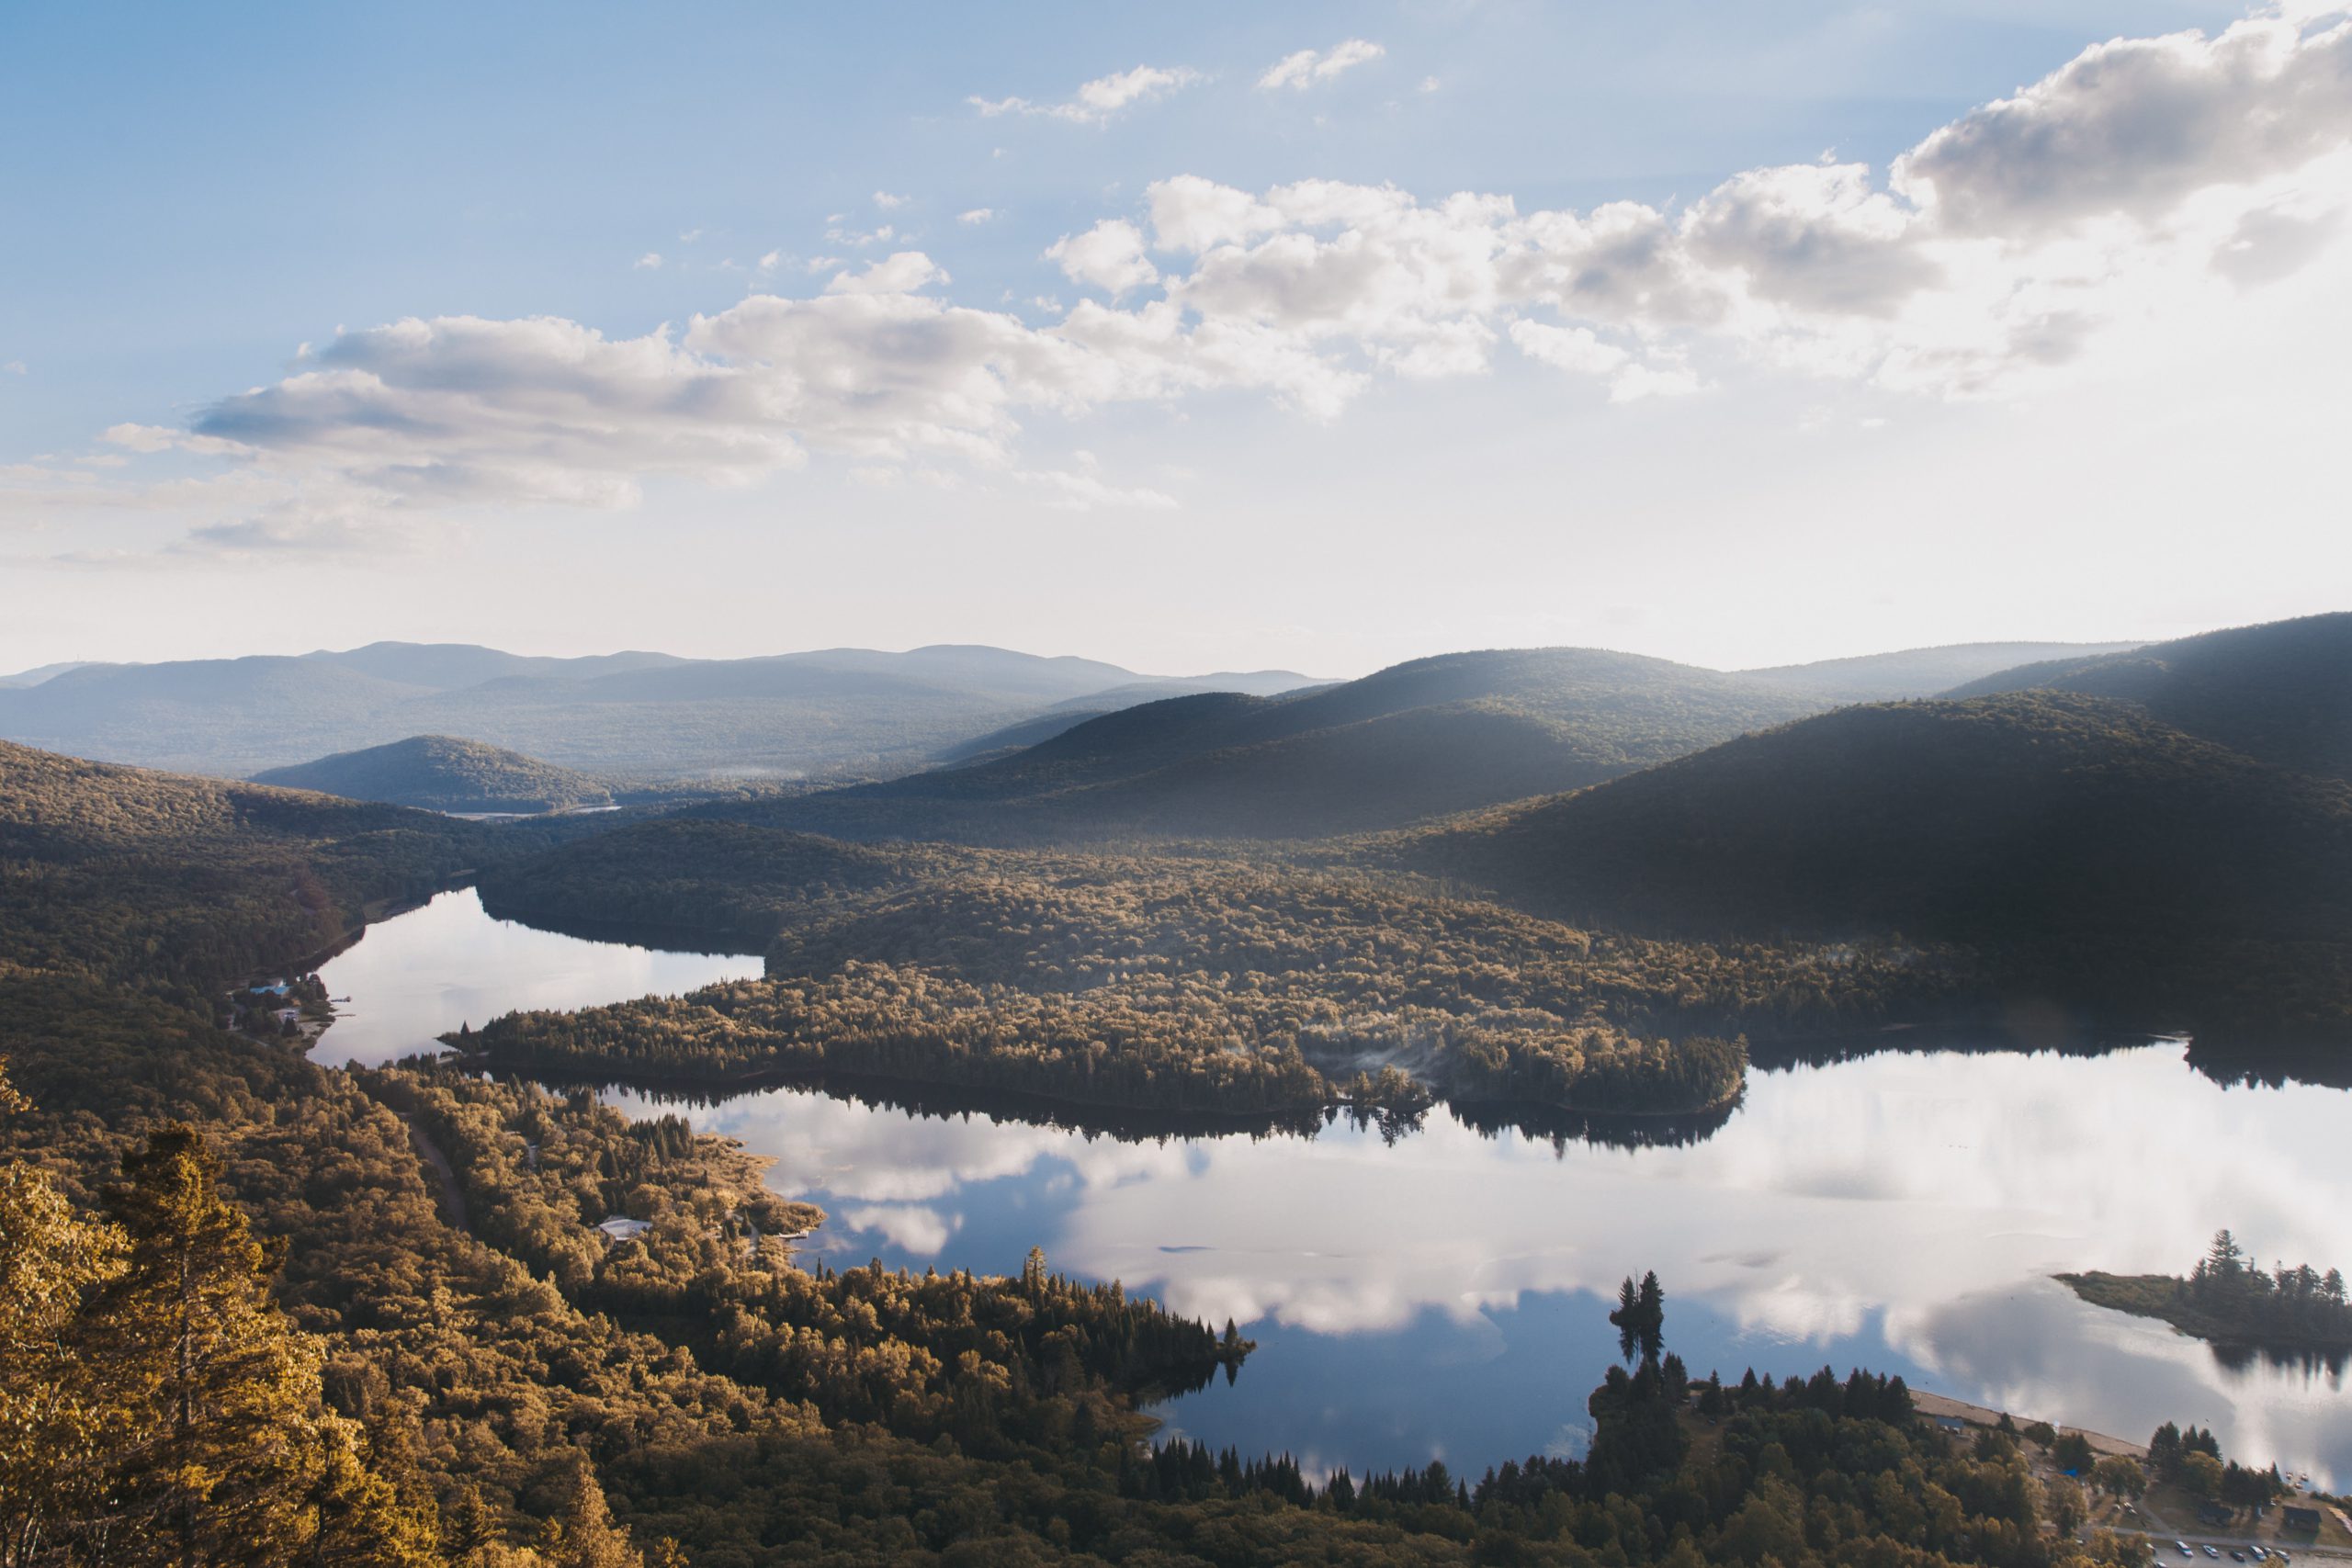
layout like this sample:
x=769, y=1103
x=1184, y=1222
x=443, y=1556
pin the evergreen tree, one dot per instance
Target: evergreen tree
x=229, y=1456
x=56, y=1414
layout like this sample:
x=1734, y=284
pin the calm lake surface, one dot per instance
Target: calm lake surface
x=419, y=975
x=1444, y=1295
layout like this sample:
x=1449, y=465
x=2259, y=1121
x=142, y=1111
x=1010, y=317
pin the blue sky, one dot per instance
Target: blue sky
x=1788, y=464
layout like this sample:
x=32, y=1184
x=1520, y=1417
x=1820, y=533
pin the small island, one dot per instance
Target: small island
x=2229, y=1301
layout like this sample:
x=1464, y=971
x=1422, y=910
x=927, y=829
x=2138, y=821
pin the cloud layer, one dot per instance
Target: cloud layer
x=2127, y=188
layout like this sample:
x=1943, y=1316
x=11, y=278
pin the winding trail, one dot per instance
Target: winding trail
x=452, y=1200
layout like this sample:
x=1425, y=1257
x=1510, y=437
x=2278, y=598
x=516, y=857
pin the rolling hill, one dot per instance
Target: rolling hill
x=117, y=869
x=2280, y=692
x=440, y=773
x=2025, y=815
x=1426, y=738
x=1919, y=671
x=834, y=712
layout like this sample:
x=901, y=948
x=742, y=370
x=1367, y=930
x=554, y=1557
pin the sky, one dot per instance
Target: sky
x=1193, y=338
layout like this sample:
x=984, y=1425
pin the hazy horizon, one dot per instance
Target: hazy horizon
x=1314, y=675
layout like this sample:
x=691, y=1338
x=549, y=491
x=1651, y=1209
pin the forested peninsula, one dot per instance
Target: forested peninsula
x=1192, y=982
x=2232, y=1301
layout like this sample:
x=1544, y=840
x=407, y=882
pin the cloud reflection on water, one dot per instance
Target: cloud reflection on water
x=1902, y=1207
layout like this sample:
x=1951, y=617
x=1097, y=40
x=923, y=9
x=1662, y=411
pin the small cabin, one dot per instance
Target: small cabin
x=620, y=1228
x=2294, y=1518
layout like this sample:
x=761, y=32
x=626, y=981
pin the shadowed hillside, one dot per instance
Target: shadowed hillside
x=1427, y=738
x=440, y=773
x=2281, y=692
x=2093, y=847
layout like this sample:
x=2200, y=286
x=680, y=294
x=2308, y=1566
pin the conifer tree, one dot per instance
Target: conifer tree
x=57, y=1419
x=229, y=1455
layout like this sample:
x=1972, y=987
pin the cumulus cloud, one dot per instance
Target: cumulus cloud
x=2001, y=246
x=2133, y=126
x=976, y=215
x=1095, y=102
x=650, y=260
x=902, y=272
x=1110, y=256
x=887, y=202
x=1310, y=67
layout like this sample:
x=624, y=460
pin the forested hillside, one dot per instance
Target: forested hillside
x=441, y=773
x=2280, y=692
x=1422, y=738
x=2103, y=854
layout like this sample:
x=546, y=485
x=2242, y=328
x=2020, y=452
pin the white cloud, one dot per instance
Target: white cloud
x=1309, y=67
x=976, y=215
x=903, y=272
x=881, y=235
x=1983, y=260
x=885, y=200
x=1189, y=213
x=14, y=368
x=1095, y=102
x=649, y=261
x=1109, y=256
x=690, y=236
x=2133, y=126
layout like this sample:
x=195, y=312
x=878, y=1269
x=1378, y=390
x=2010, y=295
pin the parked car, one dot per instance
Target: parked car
x=2213, y=1552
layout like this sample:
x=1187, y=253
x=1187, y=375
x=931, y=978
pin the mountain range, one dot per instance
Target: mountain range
x=836, y=711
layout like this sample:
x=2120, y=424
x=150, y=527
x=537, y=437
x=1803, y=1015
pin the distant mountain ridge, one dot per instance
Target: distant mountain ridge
x=827, y=712
x=1919, y=671
x=440, y=773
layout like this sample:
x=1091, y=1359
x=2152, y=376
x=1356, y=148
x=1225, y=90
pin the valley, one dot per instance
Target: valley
x=1097, y=1143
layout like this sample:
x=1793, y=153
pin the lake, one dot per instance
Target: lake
x=1444, y=1295
x=418, y=976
